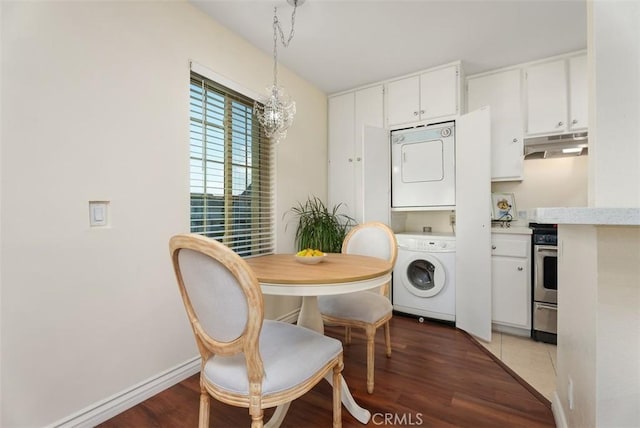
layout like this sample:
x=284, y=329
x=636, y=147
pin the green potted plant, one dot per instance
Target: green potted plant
x=319, y=227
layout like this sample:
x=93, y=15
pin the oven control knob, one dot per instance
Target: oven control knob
x=445, y=132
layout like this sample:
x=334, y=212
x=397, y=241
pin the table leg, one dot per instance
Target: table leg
x=311, y=318
x=278, y=416
x=361, y=414
x=309, y=315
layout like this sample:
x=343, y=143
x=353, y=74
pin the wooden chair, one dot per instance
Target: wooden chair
x=247, y=361
x=364, y=309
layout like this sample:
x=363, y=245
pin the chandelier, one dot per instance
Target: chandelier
x=276, y=110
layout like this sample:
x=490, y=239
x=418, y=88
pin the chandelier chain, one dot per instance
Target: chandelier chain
x=277, y=29
x=276, y=111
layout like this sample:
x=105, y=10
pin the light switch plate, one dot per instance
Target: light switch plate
x=98, y=213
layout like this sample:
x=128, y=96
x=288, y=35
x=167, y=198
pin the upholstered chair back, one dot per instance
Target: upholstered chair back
x=215, y=294
x=372, y=239
x=222, y=297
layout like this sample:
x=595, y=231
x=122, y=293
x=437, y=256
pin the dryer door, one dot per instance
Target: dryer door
x=423, y=275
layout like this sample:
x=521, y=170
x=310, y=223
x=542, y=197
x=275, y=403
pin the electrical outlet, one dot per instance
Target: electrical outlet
x=452, y=219
x=570, y=394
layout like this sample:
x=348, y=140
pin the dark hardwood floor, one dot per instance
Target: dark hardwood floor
x=437, y=377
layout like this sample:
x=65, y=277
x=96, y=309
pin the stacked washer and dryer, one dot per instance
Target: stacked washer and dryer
x=423, y=177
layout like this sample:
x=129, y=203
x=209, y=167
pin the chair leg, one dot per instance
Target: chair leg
x=387, y=338
x=371, y=348
x=337, y=394
x=347, y=335
x=255, y=404
x=203, y=421
x=256, y=420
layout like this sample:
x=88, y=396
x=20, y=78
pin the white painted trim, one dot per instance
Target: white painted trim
x=101, y=411
x=558, y=411
x=222, y=80
x=291, y=317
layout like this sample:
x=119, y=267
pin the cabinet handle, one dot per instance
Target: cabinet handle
x=415, y=113
x=421, y=111
x=350, y=160
x=560, y=123
x=493, y=247
x=574, y=121
x=520, y=268
x=515, y=140
x=358, y=159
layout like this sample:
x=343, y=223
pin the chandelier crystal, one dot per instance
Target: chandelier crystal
x=276, y=110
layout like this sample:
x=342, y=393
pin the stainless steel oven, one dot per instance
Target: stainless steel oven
x=544, y=313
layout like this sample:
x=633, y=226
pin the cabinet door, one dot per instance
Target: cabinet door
x=376, y=175
x=403, y=101
x=341, y=152
x=502, y=92
x=473, y=223
x=511, y=302
x=546, y=92
x=439, y=93
x=369, y=112
x=578, y=90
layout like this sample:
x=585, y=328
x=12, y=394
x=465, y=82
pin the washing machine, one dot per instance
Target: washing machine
x=424, y=275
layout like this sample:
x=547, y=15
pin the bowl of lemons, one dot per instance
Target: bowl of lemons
x=310, y=256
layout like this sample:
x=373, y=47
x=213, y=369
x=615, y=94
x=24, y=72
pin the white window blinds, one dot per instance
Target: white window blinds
x=231, y=170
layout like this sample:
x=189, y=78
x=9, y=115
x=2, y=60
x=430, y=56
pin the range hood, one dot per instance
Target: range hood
x=555, y=146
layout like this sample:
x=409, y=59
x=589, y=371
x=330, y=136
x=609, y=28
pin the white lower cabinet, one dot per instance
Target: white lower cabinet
x=511, y=281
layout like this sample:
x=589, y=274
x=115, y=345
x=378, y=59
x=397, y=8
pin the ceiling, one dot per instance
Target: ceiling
x=342, y=44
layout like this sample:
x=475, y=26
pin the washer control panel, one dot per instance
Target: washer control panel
x=426, y=243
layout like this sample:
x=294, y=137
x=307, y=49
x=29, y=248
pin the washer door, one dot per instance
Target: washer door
x=423, y=275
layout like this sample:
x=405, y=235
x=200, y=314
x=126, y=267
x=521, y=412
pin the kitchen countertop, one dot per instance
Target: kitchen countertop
x=587, y=215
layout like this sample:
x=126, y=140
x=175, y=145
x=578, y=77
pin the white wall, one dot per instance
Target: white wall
x=599, y=273
x=577, y=321
x=618, y=329
x=559, y=182
x=95, y=107
x=614, y=120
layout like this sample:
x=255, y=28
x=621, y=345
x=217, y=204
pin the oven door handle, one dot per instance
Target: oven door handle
x=540, y=306
x=546, y=250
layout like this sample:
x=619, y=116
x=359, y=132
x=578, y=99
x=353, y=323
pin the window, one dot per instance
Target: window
x=231, y=170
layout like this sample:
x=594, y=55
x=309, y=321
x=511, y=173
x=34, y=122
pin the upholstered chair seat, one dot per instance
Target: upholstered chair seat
x=365, y=306
x=283, y=348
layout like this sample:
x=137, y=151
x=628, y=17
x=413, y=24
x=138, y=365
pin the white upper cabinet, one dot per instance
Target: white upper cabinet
x=556, y=96
x=428, y=95
x=502, y=92
x=353, y=155
x=578, y=100
x=546, y=88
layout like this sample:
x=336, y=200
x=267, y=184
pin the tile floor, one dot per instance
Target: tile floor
x=533, y=361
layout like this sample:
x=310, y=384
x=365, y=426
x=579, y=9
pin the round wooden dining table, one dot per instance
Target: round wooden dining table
x=284, y=275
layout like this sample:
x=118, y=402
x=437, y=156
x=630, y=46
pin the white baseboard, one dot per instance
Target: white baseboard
x=291, y=317
x=558, y=411
x=103, y=410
